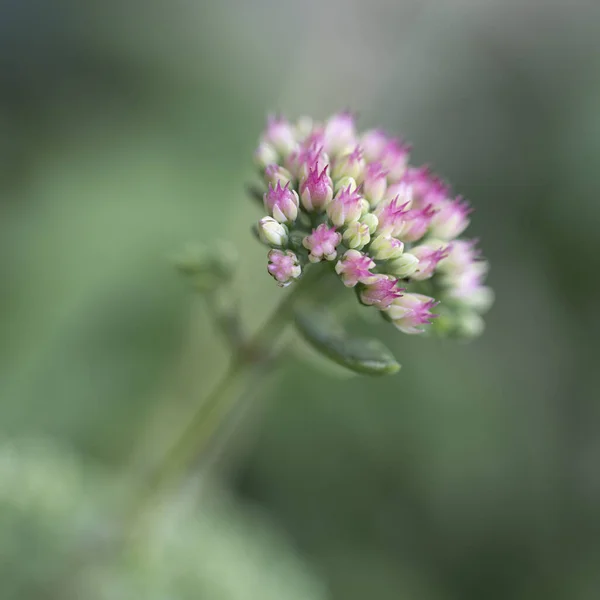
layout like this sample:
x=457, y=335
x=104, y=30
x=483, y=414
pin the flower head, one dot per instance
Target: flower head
x=316, y=189
x=322, y=243
x=283, y=266
x=410, y=312
x=337, y=195
x=381, y=292
x=282, y=202
x=355, y=267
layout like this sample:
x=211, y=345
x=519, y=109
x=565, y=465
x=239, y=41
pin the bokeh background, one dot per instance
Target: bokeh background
x=126, y=130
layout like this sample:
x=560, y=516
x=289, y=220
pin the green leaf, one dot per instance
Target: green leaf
x=322, y=332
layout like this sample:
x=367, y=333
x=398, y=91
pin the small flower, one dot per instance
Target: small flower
x=272, y=233
x=352, y=164
x=451, y=219
x=394, y=158
x=392, y=213
x=322, y=243
x=345, y=182
x=354, y=267
x=280, y=134
x=410, y=311
x=306, y=157
x=462, y=254
x=429, y=256
x=316, y=190
x=381, y=293
x=283, y=266
x=346, y=207
x=357, y=235
x=375, y=183
x=417, y=223
x=371, y=221
x=282, y=202
x=265, y=155
x=403, y=266
x=427, y=188
x=373, y=143
x=275, y=173
x=384, y=247
x=340, y=133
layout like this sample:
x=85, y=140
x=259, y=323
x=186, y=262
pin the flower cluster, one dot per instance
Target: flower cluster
x=388, y=229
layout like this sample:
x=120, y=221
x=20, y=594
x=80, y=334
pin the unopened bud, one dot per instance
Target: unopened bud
x=371, y=221
x=345, y=183
x=272, y=233
x=265, y=155
x=403, y=266
x=386, y=248
x=357, y=235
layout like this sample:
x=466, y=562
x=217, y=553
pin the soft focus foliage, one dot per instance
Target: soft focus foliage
x=57, y=540
x=126, y=131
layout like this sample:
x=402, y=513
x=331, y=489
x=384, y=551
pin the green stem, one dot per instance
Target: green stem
x=253, y=357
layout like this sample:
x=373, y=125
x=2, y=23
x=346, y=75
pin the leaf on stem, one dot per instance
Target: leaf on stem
x=361, y=355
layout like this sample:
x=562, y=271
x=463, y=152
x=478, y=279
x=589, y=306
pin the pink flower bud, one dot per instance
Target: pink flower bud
x=392, y=213
x=373, y=143
x=316, y=190
x=322, y=243
x=394, y=158
x=346, y=207
x=462, y=254
x=375, y=183
x=280, y=134
x=352, y=164
x=381, y=293
x=386, y=248
x=275, y=173
x=282, y=203
x=410, y=312
x=427, y=188
x=451, y=219
x=305, y=158
x=283, y=266
x=417, y=223
x=354, y=267
x=340, y=133
x=429, y=256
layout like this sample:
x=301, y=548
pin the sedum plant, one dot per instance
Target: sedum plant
x=388, y=230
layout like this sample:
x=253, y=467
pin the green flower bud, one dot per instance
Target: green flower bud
x=272, y=233
x=357, y=235
x=404, y=266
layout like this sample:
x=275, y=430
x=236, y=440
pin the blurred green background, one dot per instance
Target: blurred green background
x=127, y=129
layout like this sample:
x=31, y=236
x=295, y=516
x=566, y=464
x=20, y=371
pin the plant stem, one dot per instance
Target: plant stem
x=253, y=356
